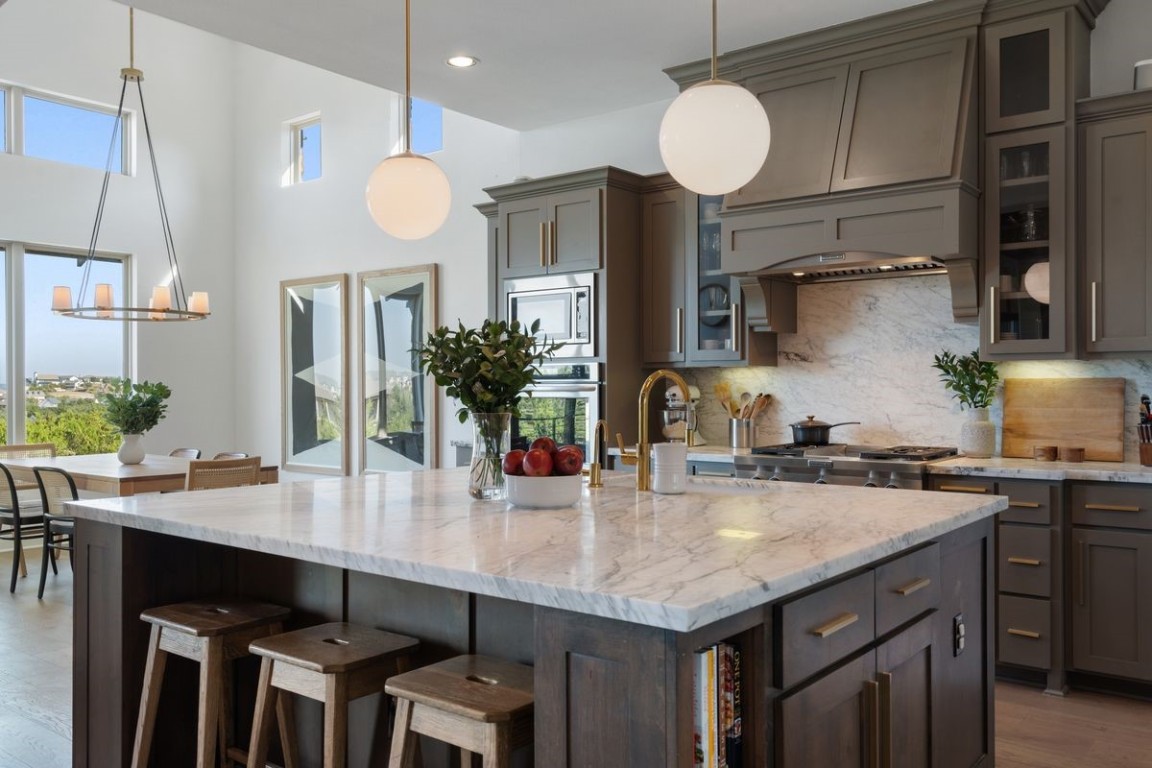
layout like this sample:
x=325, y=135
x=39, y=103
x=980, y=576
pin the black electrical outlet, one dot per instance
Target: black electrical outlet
x=958, y=634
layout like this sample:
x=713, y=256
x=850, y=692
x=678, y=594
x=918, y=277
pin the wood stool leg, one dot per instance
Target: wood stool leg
x=287, y=718
x=224, y=731
x=266, y=697
x=403, y=740
x=335, y=720
x=211, y=674
x=496, y=752
x=149, y=699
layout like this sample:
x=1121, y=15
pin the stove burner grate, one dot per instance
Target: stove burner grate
x=910, y=453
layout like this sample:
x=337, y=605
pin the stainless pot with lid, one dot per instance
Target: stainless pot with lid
x=813, y=432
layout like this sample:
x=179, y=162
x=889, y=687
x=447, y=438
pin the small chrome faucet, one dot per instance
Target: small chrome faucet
x=640, y=458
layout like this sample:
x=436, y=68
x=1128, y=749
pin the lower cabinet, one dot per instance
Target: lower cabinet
x=877, y=709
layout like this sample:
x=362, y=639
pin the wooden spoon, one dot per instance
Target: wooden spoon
x=745, y=405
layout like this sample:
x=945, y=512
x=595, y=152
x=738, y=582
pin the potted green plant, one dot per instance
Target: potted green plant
x=486, y=370
x=133, y=409
x=973, y=382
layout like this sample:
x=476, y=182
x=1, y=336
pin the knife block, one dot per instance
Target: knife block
x=1146, y=454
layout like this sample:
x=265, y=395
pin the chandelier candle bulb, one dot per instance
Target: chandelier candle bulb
x=61, y=297
x=104, y=300
x=161, y=298
x=198, y=302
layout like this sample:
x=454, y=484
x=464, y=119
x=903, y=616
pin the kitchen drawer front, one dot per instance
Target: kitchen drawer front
x=907, y=587
x=1025, y=560
x=821, y=628
x=959, y=484
x=1027, y=502
x=1024, y=627
x=712, y=468
x=1113, y=506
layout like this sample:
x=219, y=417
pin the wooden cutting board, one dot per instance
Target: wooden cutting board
x=1067, y=413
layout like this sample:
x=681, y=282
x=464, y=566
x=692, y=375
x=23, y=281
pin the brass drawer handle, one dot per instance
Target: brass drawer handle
x=1111, y=508
x=837, y=624
x=1024, y=633
x=1024, y=504
x=1023, y=561
x=915, y=586
x=963, y=489
x=872, y=726
x=543, y=240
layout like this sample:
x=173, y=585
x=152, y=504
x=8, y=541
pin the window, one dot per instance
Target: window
x=64, y=363
x=427, y=127
x=67, y=133
x=306, y=162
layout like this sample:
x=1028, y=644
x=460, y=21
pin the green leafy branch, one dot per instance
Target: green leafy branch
x=135, y=408
x=485, y=369
x=971, y=379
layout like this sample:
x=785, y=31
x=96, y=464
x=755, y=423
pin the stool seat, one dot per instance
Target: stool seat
x=209, y=618
x=479, y=688
x=332, y=648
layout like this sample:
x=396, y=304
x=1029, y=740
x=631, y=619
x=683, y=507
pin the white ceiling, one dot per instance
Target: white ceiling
x=542, y=61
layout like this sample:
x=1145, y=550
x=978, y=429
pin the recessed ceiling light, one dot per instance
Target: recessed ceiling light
x=797, y=274
x=463, y=62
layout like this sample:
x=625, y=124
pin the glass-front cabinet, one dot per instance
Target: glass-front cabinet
x=1026, y=264
x=714, y=330
x=1025, y=84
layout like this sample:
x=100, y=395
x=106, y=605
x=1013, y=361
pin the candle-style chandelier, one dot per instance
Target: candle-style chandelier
x=168, y=302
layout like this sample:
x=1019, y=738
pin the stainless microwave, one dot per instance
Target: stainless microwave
x=564, y=305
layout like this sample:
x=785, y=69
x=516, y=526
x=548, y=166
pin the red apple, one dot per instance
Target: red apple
x=568, y=460
x=537, y=463
x=546, y=444
x=512, y=462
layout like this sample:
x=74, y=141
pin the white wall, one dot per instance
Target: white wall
x=76, y=48
x=1120, y=40
x=627, y=139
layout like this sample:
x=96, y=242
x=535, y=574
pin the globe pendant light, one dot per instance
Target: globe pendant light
x=408, y=194
x=715, y=135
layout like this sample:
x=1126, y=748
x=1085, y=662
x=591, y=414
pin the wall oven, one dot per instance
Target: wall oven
x=563, y=404
x=564, y=305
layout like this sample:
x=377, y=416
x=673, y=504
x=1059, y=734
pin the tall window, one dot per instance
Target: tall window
x=62, y=363
x=56, y=128
x=3, y=120
x=306, y=159
x=427, y=127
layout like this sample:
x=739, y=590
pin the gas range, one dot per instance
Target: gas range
x=870, y=466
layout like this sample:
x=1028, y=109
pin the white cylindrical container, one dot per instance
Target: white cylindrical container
x=1142, y=77
x=669, y=467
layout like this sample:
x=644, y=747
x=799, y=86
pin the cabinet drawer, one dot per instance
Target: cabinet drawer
x=712, y=469
x=907, y=587
x=1114, y=506
x=955, y=484
x=1025, y=560
x=825, y=626
x=1024, y=629
x=1027, y=502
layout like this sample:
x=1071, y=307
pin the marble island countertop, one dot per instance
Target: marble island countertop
x=676, y=562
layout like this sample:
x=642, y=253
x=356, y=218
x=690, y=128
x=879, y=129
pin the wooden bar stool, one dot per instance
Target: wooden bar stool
x=212, y=633
x=476, y=703
x=330, y=663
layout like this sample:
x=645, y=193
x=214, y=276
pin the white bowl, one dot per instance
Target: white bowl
x=543, y=492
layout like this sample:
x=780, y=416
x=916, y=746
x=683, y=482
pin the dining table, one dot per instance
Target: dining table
x=102, y=473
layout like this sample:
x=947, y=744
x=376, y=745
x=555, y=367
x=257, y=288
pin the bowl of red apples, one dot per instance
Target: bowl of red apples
x=545, y=476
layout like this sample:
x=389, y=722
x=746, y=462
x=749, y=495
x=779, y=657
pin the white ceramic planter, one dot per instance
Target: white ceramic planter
x=978, y=435
x=131, y=449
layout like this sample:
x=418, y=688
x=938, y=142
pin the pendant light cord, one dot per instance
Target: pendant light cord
x=407, y=145
x=713, y=39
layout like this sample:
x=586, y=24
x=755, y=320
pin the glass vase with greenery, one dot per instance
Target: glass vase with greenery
x=486, y=370
x=972, y=380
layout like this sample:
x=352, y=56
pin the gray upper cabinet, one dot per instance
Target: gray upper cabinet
x=1024, y=81
x=901, y=116
x=663, y=305
x=559, y=232
x=804, y=110
x=1116, y=147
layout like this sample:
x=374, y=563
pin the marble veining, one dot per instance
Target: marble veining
x=676, y=562
x=1029, y=469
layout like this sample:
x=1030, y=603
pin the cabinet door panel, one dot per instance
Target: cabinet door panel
x=521, y=245
x=906, y=671
x=1118, y=234
x=663, y=306
x=804, y=111
x=830, y=722
x=1025, y=560
x=1024, y=631
x=901, y=116
x=575, y=232
x=1024, y=81
x=1112, y=602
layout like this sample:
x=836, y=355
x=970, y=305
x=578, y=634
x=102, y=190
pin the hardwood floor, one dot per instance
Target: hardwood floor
x=1081, y=730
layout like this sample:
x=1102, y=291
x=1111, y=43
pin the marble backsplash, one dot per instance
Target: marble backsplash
x=863, y=352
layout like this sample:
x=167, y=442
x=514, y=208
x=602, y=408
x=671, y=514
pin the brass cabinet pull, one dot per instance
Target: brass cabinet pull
x=872, y=726
x=991, y=314
x=1082, y=581
x=679, y=330
x=1024, y=504
x=1111, y=508
x=543, y=247
x=1023, y=561
x=552, y=243
x=1093, y=310
x=1024, y=633
x=736, y=323
x=837, y=624
x=915, y=586
x=963, y=489
x=885, y=730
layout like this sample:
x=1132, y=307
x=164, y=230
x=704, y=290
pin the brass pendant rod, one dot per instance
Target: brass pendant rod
x=131, y=37
x=407, y=145
x=713, y=39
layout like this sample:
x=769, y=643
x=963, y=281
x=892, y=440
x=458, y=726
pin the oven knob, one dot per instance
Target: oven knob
x=759, y=474
x=873, y=480
x=822, y=480
x=892, y=481
x=776, y=474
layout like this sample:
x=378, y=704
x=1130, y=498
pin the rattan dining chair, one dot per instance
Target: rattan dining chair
x=222, y=473
x=56, y=487
x=230, y=455
x=185, y=453
x=16, y=525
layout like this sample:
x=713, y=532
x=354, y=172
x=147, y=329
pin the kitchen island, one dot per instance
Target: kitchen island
x=608, y=599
